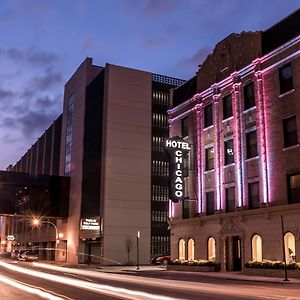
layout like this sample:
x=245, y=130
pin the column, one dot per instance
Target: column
x=262, y=137
x=217, y=148
x=199, y=157
x=239, y=155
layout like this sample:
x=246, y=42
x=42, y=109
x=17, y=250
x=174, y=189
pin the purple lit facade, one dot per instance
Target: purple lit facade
x=244, y=165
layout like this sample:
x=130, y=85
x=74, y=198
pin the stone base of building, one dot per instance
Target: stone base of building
x=271, y=272
x=192, y=268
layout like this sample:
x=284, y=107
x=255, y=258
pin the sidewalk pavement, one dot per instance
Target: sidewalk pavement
x=150, y=269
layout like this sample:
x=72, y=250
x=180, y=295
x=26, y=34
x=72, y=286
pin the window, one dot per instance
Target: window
x=185, y=127
x=227, y=107
x=285, y=78
x=68, y=144
x=191, y=250
x=210, y=203
x=290, y=132
x=251, y=144
x=230, y=199
x=211, y=247
x=294, y=188
x=256, y=248
x=253, y=194
x=181, y=250
x=289, y=247
x=208, y=117
x=186, y=166
x=228, y=152
x=249, y=98
x=209, y=157
x=185, y=209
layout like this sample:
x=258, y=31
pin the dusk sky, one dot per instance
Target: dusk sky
x=43, y=42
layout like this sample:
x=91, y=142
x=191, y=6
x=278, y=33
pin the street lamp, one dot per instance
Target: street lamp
x=37, y=222
x=137, y=251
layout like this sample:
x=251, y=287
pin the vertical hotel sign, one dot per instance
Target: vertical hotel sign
x=177, y=149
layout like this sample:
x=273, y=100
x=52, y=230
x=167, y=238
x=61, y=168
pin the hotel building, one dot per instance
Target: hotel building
x=243, y=172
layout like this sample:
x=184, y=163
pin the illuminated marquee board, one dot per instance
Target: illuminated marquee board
x=10, y=237
x=90, y=224
x=177, y=149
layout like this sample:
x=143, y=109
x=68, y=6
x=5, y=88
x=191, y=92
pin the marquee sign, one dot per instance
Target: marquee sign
x=177, y=149
x=10, y=237
x=90, y=224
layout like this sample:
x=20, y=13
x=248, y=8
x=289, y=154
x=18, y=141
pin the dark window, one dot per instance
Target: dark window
x=227, y=107
x=253, y=194
x=208, y=117
x=186, y=166
x=294, y=188
x=210, y=203
x=251, y=144
x=286, y=78
x=230, y=199
x=185, y=127
x=228, y=152
x=185, y=209
x=249, y=98
x=209, y=156
x=290, y=131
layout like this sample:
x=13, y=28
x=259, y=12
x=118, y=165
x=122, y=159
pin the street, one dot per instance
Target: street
x=23, y=280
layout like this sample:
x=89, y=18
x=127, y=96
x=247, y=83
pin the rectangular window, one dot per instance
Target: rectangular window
x=249, y=98
x=251, y=144
x=227, y=107
x=230, y=199
x=186, y=166
x=228, y=152
x=285, y=78
x=210, y=203
x=290, y=132
x=208, y=116
x=253, y=195
x=185, y=127
x=209, y=159
x=185, y=209
x=294, y=188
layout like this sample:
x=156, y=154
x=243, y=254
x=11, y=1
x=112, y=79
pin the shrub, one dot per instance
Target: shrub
x=272, y=264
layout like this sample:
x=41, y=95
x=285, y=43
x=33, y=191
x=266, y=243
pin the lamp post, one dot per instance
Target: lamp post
x=283, y=248
x=137, y=251
x=37, y=222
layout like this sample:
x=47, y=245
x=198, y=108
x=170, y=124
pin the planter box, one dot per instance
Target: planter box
x=270, y=272
x=192, y=268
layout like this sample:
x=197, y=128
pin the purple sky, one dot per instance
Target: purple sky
x=42, y=42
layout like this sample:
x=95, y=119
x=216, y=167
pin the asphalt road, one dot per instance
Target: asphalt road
x=26, y=281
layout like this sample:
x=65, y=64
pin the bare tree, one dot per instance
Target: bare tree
x=129, y=245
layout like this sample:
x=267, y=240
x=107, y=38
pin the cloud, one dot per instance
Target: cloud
x=158, y=7
x=47, y=81
x=197, y=58
x=6, y=94
x=8, y=139
x=32, y=56
x=35, y=122
x=9, y=122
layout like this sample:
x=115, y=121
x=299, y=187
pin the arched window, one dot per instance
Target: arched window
x=211, y=244
x=256, y=248
x=191, y=249
x=181, y=249
x=290, y=247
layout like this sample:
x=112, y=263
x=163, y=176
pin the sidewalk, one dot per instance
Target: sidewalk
x=152, y=269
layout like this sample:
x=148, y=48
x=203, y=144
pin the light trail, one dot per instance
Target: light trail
x=121, y=293
x=179, y=285
x=29, y=289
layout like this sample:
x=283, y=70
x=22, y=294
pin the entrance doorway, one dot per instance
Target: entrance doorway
x=233, y=254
